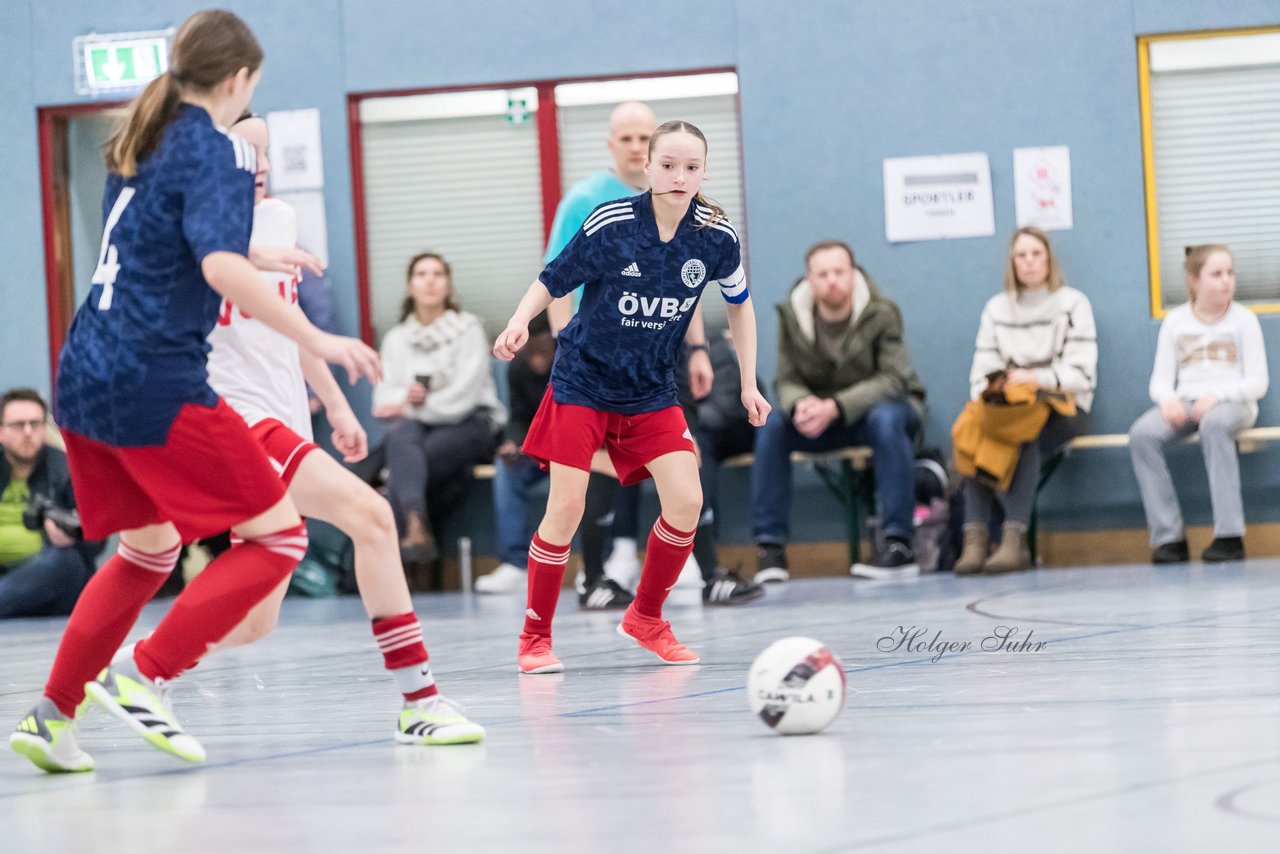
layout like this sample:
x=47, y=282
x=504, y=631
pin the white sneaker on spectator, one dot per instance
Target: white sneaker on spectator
x=690, y=576
x=623, y=565
x=507, y=578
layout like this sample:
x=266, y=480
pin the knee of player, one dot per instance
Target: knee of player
x=566, y=510
x=684, y=507
x=372, y=518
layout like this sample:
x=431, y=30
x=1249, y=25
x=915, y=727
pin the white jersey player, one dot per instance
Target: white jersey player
x=251, y=366
x=263, y=376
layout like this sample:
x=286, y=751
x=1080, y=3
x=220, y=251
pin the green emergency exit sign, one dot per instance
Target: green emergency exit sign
x=121, y=62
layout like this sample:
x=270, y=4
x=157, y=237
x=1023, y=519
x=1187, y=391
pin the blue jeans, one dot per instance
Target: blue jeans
x=889, y=428
x=511, y=484
x=47, y=584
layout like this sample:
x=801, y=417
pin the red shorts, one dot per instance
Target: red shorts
x=285, y=448
x=570, y=435
x=208, y=476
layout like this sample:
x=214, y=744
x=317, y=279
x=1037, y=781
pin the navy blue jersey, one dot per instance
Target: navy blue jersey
x=619, y=352
x=135, y=354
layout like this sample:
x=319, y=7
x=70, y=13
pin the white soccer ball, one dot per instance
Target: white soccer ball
x=796, y=686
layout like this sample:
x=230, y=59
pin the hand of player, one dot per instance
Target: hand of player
x=1202, y=406
x=1174, y=412
x=348, y=435
x=701, y=374
x=417, y=394
x=285, y=259
x=511, y=340
x=356, y=356
x=757, y=407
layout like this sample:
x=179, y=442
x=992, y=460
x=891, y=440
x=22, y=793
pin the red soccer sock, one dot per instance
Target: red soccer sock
x=217, y=600
x=107, y=608
x=400, y=642
x=664, y=557
x=546, y=575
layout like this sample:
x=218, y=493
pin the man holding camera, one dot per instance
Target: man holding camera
x=44, y=562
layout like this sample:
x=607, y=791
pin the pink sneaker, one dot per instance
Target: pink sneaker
x=655, y=636
x=536, y=655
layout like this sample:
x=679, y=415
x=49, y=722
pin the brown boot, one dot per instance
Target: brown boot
x=1013, y=554
x=417, y=545
x=974, y=554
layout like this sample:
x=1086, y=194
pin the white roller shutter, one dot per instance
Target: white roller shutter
x=465, y=187
x=584, y=131
x=1216, y=135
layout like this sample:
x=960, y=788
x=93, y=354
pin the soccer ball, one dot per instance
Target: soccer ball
x=796, y=686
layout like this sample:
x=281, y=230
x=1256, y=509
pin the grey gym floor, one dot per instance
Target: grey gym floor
x=1149, y=721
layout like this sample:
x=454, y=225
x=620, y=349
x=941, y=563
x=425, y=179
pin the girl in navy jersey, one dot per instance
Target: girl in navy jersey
x=644, y=261
x=154, y=454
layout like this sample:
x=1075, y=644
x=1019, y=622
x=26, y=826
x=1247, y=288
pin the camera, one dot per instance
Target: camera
x=41, y=507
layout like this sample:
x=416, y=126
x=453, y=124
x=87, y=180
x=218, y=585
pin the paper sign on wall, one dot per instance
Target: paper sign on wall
x=1042, y=187
x=938, y=197
x=295, y=151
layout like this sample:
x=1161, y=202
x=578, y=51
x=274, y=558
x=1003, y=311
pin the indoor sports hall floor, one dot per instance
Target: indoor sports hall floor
x=1149, y=721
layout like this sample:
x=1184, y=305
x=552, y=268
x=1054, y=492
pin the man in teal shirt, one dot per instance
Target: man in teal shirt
x=630, y=126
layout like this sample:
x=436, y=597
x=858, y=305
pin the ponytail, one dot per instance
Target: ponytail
x=209, y=47
x=140, y=131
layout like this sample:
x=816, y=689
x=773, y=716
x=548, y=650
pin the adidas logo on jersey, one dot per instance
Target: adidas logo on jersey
x=632, y=270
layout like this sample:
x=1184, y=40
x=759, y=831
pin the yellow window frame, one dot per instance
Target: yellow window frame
x=1158, y=309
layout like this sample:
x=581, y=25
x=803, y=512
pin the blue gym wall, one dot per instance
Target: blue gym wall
x=828, y=89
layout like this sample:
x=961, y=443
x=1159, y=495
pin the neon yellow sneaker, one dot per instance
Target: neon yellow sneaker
x=436, y=720
x=144, y=705
x=48, y=738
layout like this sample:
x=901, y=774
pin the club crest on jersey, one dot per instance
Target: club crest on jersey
x=693, y=273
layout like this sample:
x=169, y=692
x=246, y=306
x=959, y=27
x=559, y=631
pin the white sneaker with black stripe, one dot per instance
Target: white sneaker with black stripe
x=144, y=705
x=895, y=560
x=436, y=720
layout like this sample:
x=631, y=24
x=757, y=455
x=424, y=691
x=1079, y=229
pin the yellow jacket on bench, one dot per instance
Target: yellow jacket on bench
x=986, y=439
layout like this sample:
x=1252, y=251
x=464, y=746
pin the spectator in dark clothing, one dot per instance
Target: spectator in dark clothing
x=722, y=431
x=515, y=474
x=44, y=563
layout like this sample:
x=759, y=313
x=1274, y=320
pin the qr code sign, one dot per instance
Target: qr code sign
x=295, y=158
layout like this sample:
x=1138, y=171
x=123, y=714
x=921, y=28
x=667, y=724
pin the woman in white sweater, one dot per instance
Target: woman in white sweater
x=1210, y=372
x=438, y=391
x=1041, y=332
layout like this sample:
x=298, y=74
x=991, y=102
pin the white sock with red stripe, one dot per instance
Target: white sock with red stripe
x=664, y=557
x=400, y=642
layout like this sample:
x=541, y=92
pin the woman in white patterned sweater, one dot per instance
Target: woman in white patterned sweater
x=1210, y=372
x=439, y=393
x=1041, y=332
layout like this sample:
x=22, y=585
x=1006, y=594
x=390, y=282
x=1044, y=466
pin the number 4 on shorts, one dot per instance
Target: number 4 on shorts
x=109, y=258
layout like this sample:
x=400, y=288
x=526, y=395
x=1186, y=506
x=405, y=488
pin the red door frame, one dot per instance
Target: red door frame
x=548, y=158
x=57, y=317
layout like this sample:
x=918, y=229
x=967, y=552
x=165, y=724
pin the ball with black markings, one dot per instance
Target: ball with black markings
x=796, y=686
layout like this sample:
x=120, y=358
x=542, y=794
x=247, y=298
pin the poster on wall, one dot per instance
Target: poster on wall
x=938, y=197
x=295, y=151
x=1042, y=187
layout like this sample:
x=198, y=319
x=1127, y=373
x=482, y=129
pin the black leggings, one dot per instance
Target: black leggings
x=433, y=456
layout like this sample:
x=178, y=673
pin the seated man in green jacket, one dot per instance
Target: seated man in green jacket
x=843, y=378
